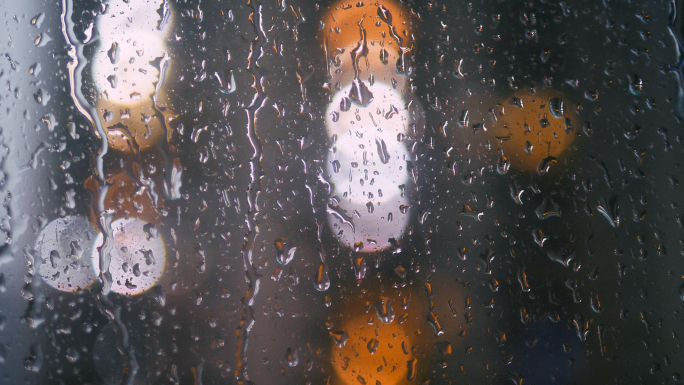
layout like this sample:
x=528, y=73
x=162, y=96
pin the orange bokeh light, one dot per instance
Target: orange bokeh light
x=541, y=128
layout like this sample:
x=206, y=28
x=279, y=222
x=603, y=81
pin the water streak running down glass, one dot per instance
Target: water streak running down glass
x=369, y=192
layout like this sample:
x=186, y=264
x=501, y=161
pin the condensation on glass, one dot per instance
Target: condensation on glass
x=365, y=192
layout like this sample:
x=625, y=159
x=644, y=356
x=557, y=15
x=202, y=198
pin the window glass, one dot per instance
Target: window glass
x=341, y=192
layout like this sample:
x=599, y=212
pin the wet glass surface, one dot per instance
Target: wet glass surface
x=374, y=192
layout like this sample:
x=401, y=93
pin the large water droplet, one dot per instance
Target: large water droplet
x=382, y=151
x=359, y=94
x=557, y=108
x=340, y=338
x=384, y=310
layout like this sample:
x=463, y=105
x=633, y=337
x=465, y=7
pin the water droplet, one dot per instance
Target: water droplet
x=594, y=302
x=545, y=165
x=225, y=81
x=292, y=358
x=113, y=53
x=436, y=325
x=373, y=345
x=151, y=231
x=72, y=354
x=42, y=97
x=70, y=199
x=360, y=267
x=636, y=85
x=322, y=280
x=54, y=258
x=472, y=213
x=404, y=67
x=359, y=94
x=34, y=70
x=464, y=119
x=610, y=210
x=281, y=255
x=345, y=104
x=458, y=72
x=581, y=327
x=382, y=150
x=384, y=310
x=37, y=20
x=528, y=147
x=557, y=108
x=412, y=369
x=340, y=338
x=383, y=56
x=515, y=101
x=159, y=295
x=502, y=165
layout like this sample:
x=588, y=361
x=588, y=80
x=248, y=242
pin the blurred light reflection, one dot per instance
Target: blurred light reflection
x=138, y=256
x=65, y=246
x=128, y=72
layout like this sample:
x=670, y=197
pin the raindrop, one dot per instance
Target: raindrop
x=373, y=345
x=502, y=165
x=72, y=354
x=35, y=69
x=610, y=210
x=594, y=302
x=384, y=310
x=360, y=267
x=322, y=281
x=113, y=53
x=545, y=165
x=37, y=20
x=557, y=108
x=345, y=104
x=292, y=358
x=528, y=147
x=412, y=369
x=359, y=94
x=636, y=85
x=516, y=102
x=113, y=81
x=403, y=63
x=382, y=151
x=225, y=81
x=464, y=119
x=472, y=213
x=151, y=231
x=383, y=56
x=581, y=327
x=281, y=255
x=340, y=338
x=436, y=325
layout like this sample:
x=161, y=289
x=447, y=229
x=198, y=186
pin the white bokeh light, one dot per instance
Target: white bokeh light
x=65, y=246
x=132, y=37
x=367, y=166
x=137, y=258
